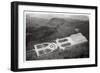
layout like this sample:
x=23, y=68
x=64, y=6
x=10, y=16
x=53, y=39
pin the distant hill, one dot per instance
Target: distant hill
x=39, y=21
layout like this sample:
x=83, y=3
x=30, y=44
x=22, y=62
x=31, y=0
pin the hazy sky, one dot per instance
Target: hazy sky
x=50, y=15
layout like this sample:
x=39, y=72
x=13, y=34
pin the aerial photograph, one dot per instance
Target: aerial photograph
x=56, y=35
